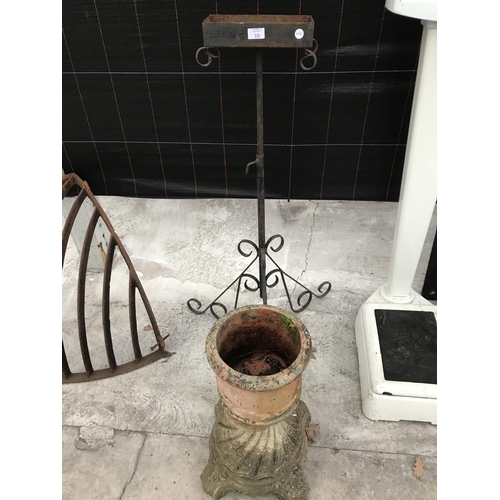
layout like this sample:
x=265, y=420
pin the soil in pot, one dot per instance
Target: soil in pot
x=261, y=347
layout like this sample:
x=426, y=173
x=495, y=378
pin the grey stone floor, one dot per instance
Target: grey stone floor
x=145, y=434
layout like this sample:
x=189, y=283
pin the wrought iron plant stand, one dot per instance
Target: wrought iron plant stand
x=260, y=32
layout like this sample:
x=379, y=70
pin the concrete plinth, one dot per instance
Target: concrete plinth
x=258, y=460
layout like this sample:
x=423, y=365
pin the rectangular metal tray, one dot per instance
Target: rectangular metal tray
x=265, y=31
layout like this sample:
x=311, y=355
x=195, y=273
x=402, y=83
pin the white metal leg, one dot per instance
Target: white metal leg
x=419, y=184
x=383, y=399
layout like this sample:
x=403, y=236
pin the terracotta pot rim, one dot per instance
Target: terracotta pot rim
x=251, y=382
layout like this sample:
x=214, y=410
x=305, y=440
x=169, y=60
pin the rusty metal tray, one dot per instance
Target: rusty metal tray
x=264, y=31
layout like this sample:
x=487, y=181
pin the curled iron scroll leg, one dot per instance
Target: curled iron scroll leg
x=310, y=53
x=209, y=51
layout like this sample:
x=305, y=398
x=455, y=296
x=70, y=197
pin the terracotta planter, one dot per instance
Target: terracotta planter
x=245, y=349
x=258, y=442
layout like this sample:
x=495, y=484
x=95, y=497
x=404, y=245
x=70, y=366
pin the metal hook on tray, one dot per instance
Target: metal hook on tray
x=210, y=55
x=310, y=53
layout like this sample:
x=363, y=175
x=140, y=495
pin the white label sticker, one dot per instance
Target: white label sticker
x=299, y=33
x=256, y=33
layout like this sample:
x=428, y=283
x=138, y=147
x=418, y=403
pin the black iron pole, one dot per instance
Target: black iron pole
x=261, y=195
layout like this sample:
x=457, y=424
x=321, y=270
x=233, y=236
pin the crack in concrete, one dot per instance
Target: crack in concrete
x=308, y=248
x=178, y=434
x=135, y=466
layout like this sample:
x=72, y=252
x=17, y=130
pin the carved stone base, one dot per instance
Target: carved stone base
x=256, y=460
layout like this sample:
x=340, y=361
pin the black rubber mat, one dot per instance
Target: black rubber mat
x=408, y=343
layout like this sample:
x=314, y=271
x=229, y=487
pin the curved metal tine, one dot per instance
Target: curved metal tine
x=70, y=220
x=214, y=302
x=210, y=55
x=68, y=182
x=132, y=312
x=80, y=296
x=65, y=366
x=106, y=322
x=149, y=310
x=128, y=262
x=84, y=186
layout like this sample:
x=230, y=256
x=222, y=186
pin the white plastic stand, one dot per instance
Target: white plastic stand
x=383, y=399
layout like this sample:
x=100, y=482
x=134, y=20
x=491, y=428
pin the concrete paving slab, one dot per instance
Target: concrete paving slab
x=169, y=467
x=103, y=469
x=347, y=475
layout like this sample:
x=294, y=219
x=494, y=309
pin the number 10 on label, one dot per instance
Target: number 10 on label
x=256, y=33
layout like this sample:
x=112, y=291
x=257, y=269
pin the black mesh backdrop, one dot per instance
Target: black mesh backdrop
x=141, y=118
